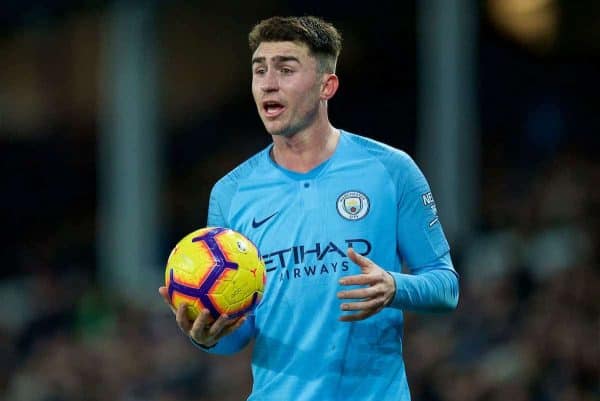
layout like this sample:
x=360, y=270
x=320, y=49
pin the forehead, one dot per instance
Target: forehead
x=273, y=50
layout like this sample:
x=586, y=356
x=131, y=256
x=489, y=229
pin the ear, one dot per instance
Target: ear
x=329, y=86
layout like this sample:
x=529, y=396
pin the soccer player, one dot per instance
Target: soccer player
x=335, y=215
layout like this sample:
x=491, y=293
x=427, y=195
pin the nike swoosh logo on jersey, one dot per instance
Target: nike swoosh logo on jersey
x=256, y=224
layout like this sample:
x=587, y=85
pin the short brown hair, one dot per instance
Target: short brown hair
x=322, y=38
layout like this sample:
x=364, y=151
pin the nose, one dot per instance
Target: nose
x=270, y=82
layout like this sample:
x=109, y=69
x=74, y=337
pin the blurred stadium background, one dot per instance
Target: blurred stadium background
x=117, y=117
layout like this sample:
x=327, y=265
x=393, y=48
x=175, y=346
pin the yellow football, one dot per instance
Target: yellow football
x=217, y=269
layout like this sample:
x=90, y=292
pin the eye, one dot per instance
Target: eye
x=259, y=71
x=286, y=70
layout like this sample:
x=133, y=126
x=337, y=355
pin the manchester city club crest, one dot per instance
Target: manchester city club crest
x=353, y=205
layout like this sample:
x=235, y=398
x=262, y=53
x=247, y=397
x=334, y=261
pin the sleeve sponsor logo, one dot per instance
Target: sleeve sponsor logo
x=427, y=199
x=429, y=202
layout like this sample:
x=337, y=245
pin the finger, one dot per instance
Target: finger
x=359, y=293
x=230, y=329
x=182, y=318
x=377, y=303
x=164, y=293
x=363, y=262
x=359, y=279
x=358, y=316
x=218, y=325
x=197, y=331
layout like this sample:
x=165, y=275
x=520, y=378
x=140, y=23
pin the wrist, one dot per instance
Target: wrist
x=391, y=298
x=205, y=347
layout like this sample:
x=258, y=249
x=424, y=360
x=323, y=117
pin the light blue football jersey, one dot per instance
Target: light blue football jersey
x=367, y=196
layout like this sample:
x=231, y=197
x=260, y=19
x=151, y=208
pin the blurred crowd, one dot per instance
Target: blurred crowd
x=528, y=323
x=527, y=327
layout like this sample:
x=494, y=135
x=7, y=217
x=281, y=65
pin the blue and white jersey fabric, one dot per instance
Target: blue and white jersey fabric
x=367, y=196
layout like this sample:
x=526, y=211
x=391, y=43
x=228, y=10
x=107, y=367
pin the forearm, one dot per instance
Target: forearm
x=435, y=290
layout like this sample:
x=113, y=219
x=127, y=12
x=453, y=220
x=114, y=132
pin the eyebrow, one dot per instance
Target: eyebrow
x=277, y=59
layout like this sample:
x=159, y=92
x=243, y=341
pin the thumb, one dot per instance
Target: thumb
x=363, y=262
x=164, y=293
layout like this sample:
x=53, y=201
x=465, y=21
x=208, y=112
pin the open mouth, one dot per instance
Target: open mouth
x=272, y=108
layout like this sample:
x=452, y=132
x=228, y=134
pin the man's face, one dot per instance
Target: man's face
x=285, y=86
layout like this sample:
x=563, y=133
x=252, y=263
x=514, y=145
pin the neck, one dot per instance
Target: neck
x=306, y=149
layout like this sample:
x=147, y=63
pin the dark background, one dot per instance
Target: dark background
x=527, y=326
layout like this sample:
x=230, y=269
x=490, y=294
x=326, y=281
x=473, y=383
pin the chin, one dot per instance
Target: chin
x=284, y=133
x=278, y=130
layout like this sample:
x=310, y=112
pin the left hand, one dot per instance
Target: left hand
x=380, y=290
